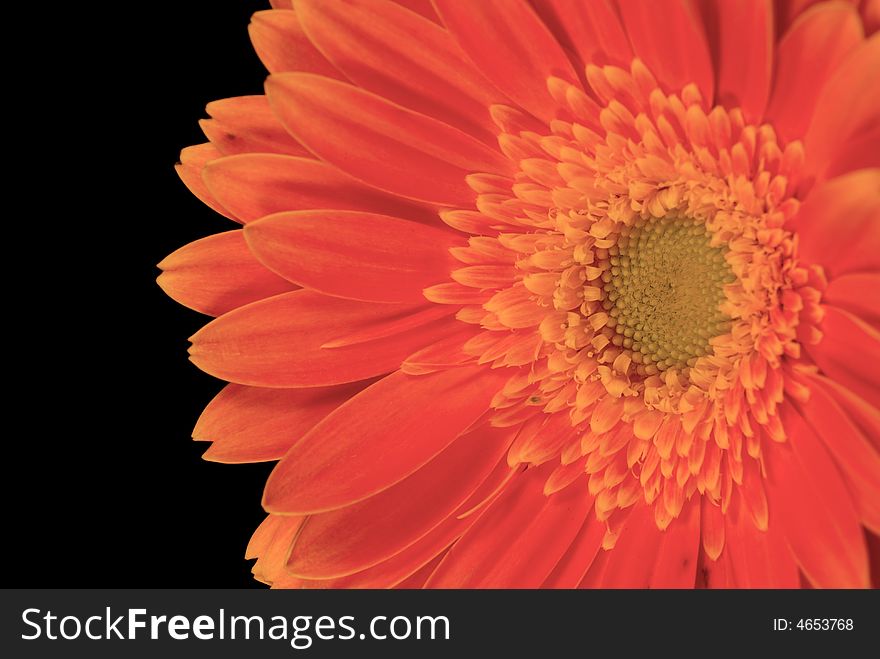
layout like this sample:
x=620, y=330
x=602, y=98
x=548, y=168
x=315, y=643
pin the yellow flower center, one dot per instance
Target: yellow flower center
x=663, y=287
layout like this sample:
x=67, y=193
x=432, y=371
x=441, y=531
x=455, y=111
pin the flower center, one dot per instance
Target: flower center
x=664, y=286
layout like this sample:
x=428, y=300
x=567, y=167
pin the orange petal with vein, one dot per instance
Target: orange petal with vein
x=404, y=58
x=192, y=163
x=407, y=420
x=258, y=184
x=844, y=111
x=278, y=342
x=806, y=56
x=741, y=37
x=217, y=274
x=519, y=539
x=359, y=256
x=495, y=33
x=380, y=143
x=846, y=206
x=854, y=454
x=246, y=124
x=282, y=45
x=253, y=424
x=849, y=353
x=806, y=492
x=359, y=536
x=679, y=53
x=856, y=293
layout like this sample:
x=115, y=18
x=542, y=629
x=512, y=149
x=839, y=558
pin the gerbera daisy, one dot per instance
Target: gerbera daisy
x=555, y=293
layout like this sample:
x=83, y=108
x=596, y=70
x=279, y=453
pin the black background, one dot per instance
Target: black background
x=104, y=485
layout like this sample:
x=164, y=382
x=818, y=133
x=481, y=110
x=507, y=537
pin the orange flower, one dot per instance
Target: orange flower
x=549, y=294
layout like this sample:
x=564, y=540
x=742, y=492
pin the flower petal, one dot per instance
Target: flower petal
x=844, y=111
x=512, y=47
x=812, y=49
x=573, y=565
x=849, y=353
x=253, y=424
x=282, y=45
x=676, y=564
x=278, y=342
x=398, y=424
x=344, y=541
x=857, y=294
x=857, y=458
x=630, y=563
x=400, y=566
x=741, y=38
x=592, y=30
x=217, y=274
x=838, y=214
x=809, y=500
x=518, y=540
x=258, y=184
x=359, y=256
x=380, y=143
x=758, y=559
x=862, y=413
x=404, y=58
x=670, y=38
x=859, y=152
x=246, y=124
x=192, y=162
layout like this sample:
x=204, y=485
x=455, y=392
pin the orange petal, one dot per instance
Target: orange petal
x=400, y=566
x=838, y=214
x=417, y=580
x=849, y=353
x=717, y=574
x=282, y=45
x=676, y=53
x=397, y=425
x=442, y=354
x=518, y=540
x=592, y=30
x=572, y=567
x=246, y=124
x=259, y=184
x=844, y=110
x=741, y=37
x=810, y=502
x=269, y=567
x=857, y=294
x=758, y=559
x=217, y=274
x=359, y=256
x=262, y=536
x=278, y=342
x=423, y=7
x=404, y=58
x=676, y=564
x=859, y=152
x=252, y=424
x=712, y=528
x=512, y=47
x=857, y=458
x=630, y=563
x=862, y=413
x=808, y=54
x=192, y=162
x=381, y=143
x=344, y=541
